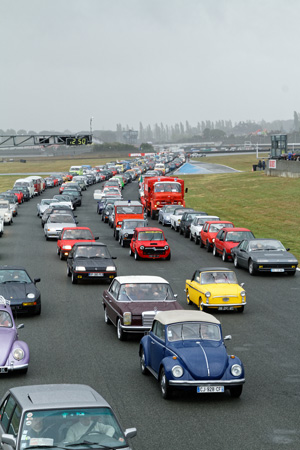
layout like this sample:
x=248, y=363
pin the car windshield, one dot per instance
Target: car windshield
x=169, y=209
x=218, y=277
x=265, y=245
x=132, y=224
x=14, y=275
x=202, y=220
x=214, y=228
x=238, y=236
x=167, y=187
x=179, y=212
x=91, y=252
x=145, y=292
x=151, y=236
x=193, y=330
x=5, y=319
x=4, y=206
x=64, y=427
x=128, y=209
x=47, y=201
x=77, y=234
x=60, y=218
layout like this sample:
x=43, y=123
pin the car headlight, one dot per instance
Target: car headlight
x=119, y=223
x=30, y=295
x=243, y=293
x=110, y=268
x=236, y=370
x=18, y=354
x=177, y=371
x=213, y=239
x=127, y=318
x=126, y=235
x=166, y=247
x=80, y=269
x=179, y=203
x=67, y=247
x=207, y=294
x=142, y=247
x=157, y=203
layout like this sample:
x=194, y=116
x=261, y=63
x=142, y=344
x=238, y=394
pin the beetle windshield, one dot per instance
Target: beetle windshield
x=5, y=319
x=193, y=330
x=64, y=427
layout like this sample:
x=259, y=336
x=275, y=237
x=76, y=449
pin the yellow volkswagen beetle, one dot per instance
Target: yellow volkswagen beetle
x=215, y=288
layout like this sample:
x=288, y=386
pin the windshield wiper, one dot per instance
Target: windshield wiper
x=90, y=443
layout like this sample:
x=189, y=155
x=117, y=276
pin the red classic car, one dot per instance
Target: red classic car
x=70, y=236
x=209, y=232
x=149, y=243
x=227, y=238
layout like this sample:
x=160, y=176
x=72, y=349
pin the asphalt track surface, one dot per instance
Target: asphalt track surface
x=70, y=343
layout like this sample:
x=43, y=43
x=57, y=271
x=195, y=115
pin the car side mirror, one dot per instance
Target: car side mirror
x=20, y=326
x=228, y=338
x=242, y=250
x=130, y=432
x=96, y=238
x=175, y=295
x=287, y=249
x=186, y=190
x=76, y=221
x=70, y=256
x=166, y=239
x=242, y=284
x=114, y=257
x=36, y=280
x=9, y=439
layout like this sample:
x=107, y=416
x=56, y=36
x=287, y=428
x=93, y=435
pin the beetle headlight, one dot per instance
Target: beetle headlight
x=18, y=354
x=142, y=247
x=207, y=294
x=177, y=371
x=110, y=268
x=166, y=247
x=243, y=294
x=80, y=269
x=127, y=318
x=30, y=295
x=236, y=370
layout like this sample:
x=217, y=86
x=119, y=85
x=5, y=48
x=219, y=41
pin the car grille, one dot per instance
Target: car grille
x=154, y=251
x=147, y=318
x=232, y=298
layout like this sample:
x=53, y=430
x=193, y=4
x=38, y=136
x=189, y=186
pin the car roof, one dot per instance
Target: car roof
x=175, y=316
x=89, y=244
x=148, y=229
x=6, y=267
x=128, y=202
x=235, y=229
x=218, y=221
x=140, y=279
x=57, y=396
x=76, y=228
x=214, y=269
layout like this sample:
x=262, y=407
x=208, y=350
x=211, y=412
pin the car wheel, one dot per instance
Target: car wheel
x=165, y=388
x=68, y=271
x=163, y=223
x=130, y=252
x=241, y=309
x=235, y=261
x=47, y=239
x=153, y=214
x=23, y=371
x=215, y=253
x=191, y=237
x=122, y=242
x=207, y=246
x=180, y=231
x=106, y=318
x=251, y=267
x=224, y=256
x=236, y=391
x=58, y=250
x=168, y=257
x=186, y=233
x=136, y=256
x=61, y=255
x=38, y=311
x=120, y=333
x=201, y=243
x=74, y=279
x=176, y=228
x=196, y=239
x=143, y=367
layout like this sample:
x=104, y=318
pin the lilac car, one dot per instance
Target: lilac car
x=14, y=354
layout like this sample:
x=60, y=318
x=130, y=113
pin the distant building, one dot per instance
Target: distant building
x=130, y=137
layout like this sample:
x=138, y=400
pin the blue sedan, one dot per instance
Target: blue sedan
x=186, y=350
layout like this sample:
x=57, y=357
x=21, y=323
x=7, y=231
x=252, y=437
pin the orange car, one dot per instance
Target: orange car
x=209, y=232
x=70, y=236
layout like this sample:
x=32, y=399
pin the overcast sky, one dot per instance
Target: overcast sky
x=126, y=61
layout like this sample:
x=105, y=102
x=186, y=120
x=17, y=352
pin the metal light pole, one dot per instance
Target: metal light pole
x=91, y=125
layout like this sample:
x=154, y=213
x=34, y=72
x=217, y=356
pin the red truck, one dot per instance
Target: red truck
x=161, y=191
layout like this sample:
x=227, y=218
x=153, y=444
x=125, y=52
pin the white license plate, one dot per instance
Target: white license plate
x=210, y=389
x=223, y=308
x=96, y=274
x=277, y=270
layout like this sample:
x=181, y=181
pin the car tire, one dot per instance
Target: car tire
x=120, y=333
x=136, y=256
x=207, y=246
x=38, y=311
x=165, y=388
x=215, y=253
x=61, y=256
x=251, y=269
x=236, y=391
x=23, y=371
x=68, y=271
x=241, y=309
x=201, y=243
x=153, y=214
x=186, y=233
x=168, y=257
x=106, y=318
x=74, y=279
x=47, y=239
x=58, y=250
x=122, y=242
x=235, y=261
x=143, y=367
x=224, y=256
x=180, y=231
x=191, y=237
x=130, y=252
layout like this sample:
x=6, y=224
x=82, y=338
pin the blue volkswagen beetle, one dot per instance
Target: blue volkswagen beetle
x=186, y=350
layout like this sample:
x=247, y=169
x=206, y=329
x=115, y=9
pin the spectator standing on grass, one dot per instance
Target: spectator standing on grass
x=263, y=164
x=259, y=165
